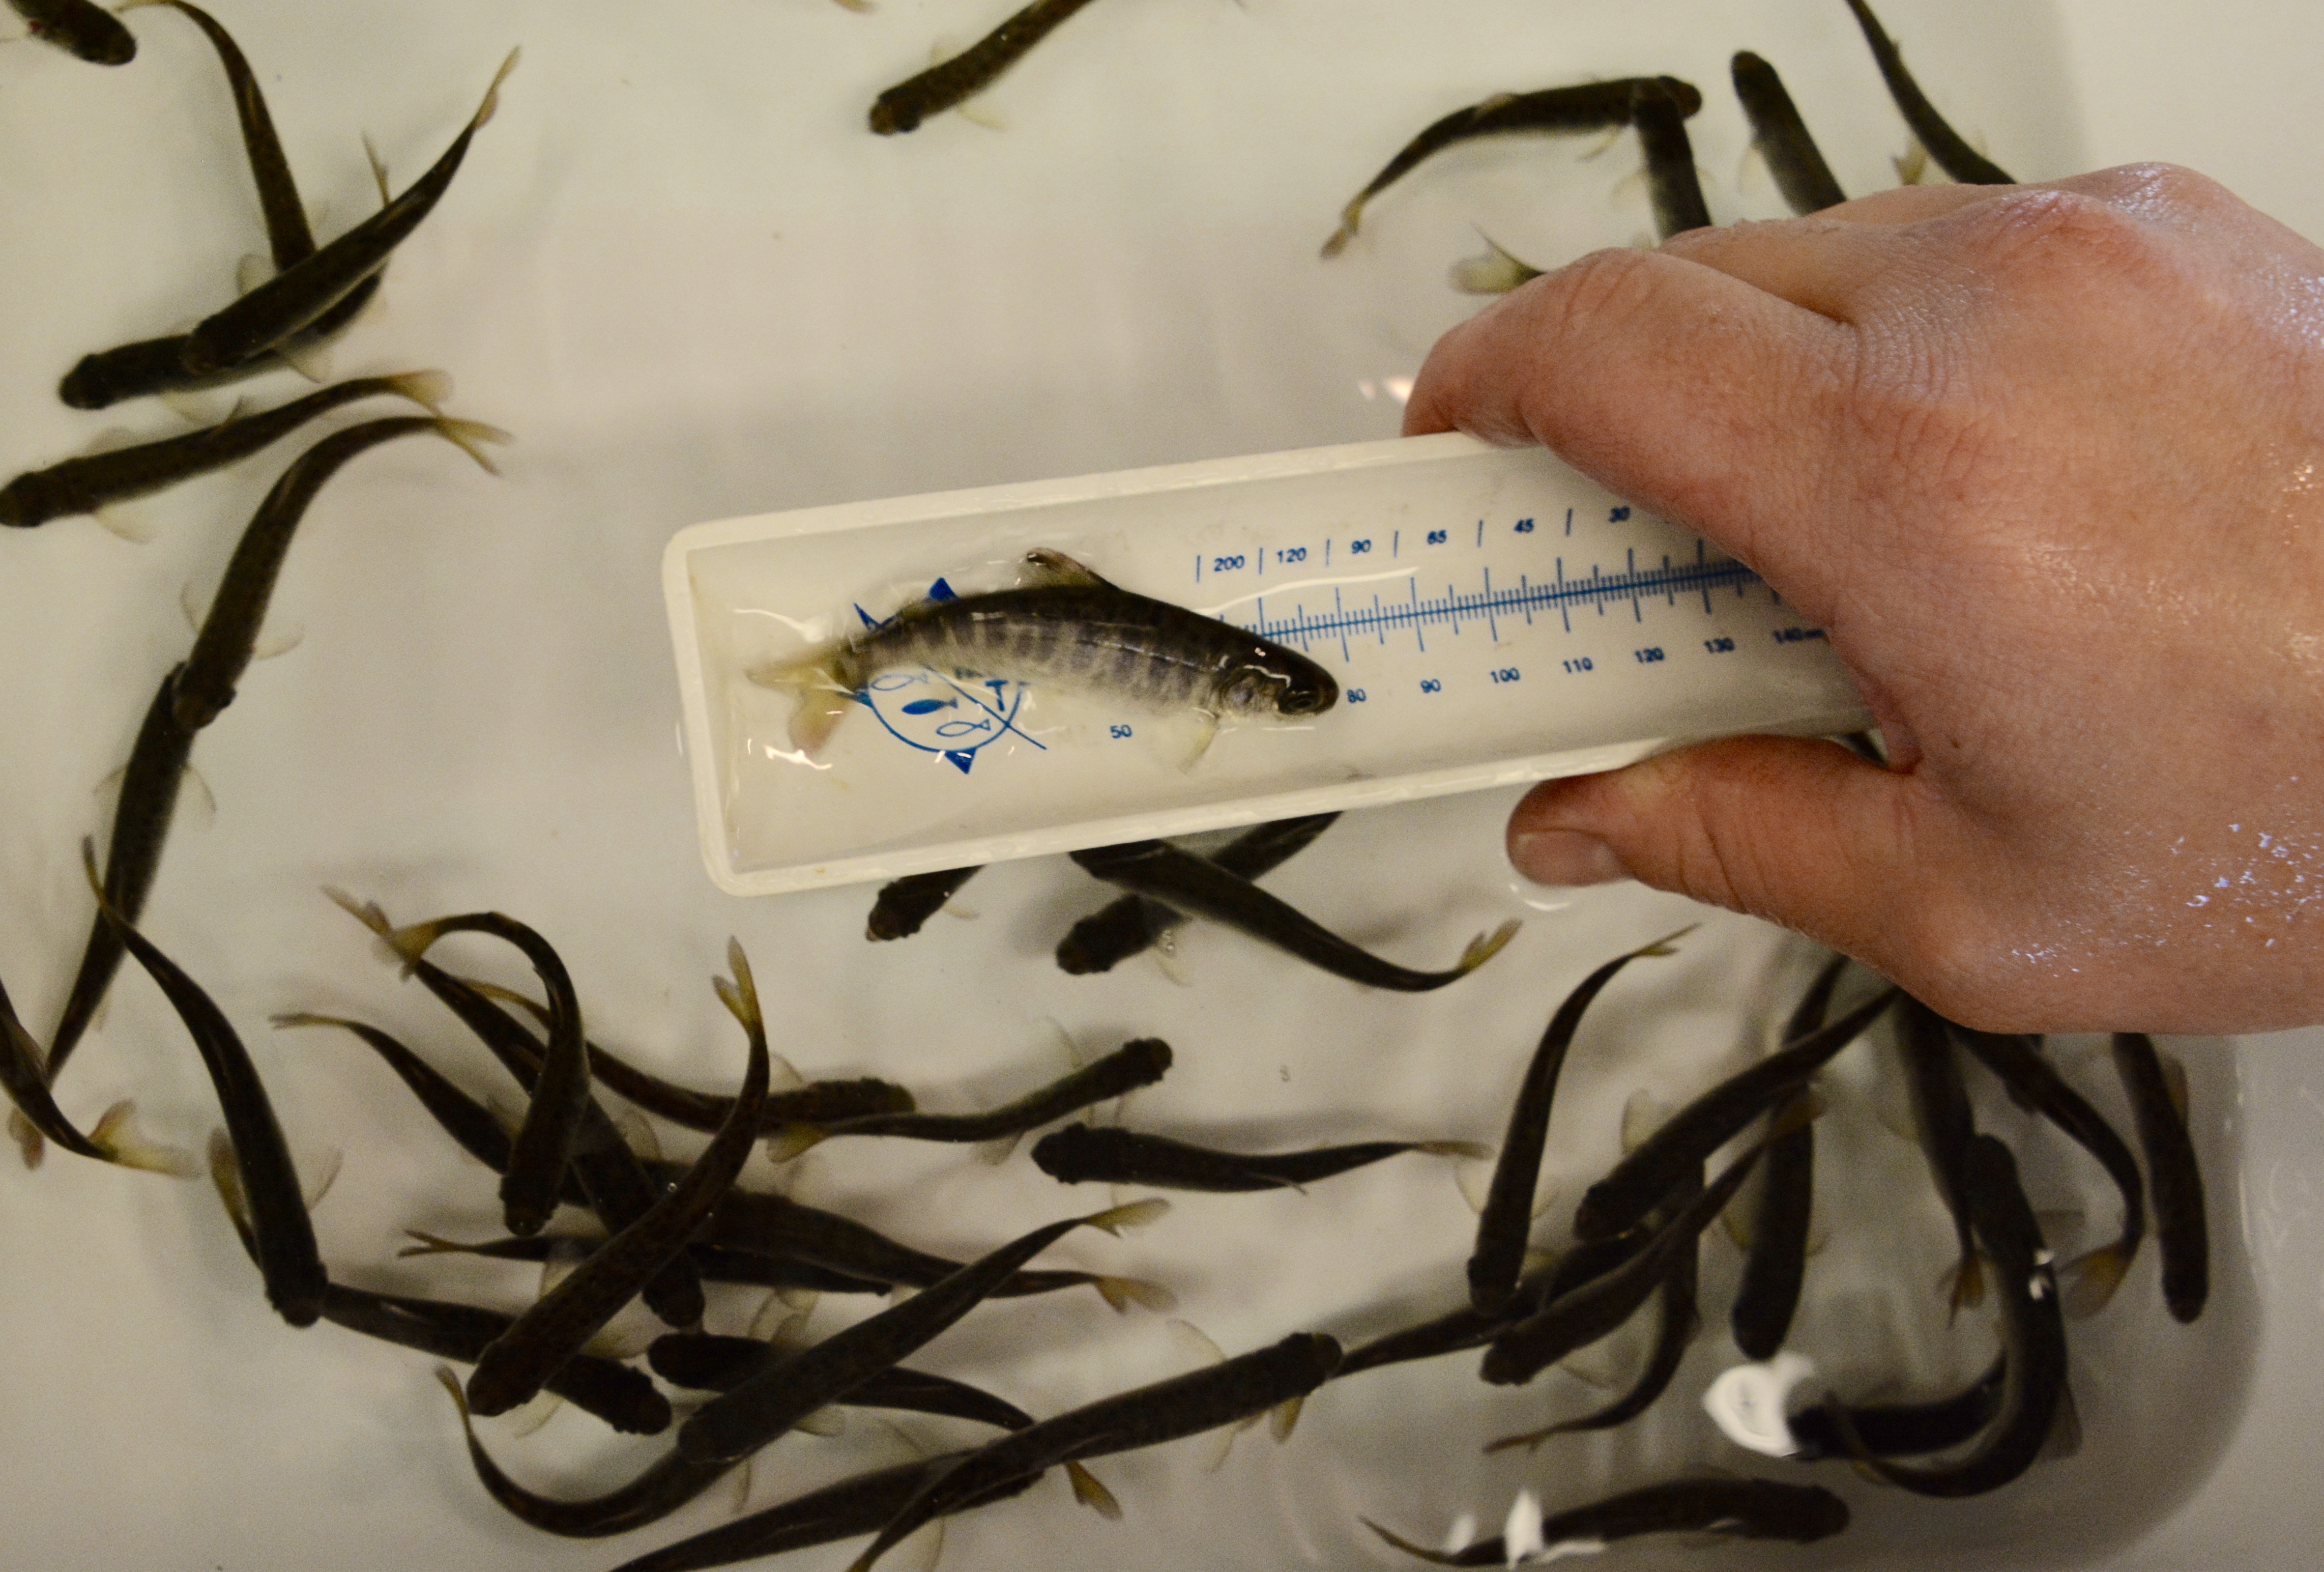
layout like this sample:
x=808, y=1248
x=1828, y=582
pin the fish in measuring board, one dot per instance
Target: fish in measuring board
x=1068, y=627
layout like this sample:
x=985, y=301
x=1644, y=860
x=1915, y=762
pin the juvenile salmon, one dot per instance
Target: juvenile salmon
x=1073, y=629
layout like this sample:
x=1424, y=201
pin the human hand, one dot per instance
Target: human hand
x=2047, y=463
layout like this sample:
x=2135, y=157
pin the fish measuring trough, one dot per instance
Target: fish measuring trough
x=1490, y=615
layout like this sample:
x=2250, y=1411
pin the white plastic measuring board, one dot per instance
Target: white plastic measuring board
x=1490, y=615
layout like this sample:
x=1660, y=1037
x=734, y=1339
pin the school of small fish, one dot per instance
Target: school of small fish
x=661, y=1230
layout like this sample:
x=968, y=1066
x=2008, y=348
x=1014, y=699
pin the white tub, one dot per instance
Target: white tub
x=681, y=271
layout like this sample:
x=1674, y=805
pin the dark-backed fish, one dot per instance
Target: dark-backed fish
x=1741, y=1509
x=2089, y=1281
x=1662, y=1162
x=1782, y=138
x=557, y=1327
x=1956, y=157
x=294, y=298
x=1164, y=1410
x=467, y=1121
x=1070, y=628
x=664, y=1485
x=24, y=1077
x=133, y=857
x=1675, y=1321
x=756, y=1222
x=1140, y=1062
x=229, y=633
x=857, y=1504
x=946, y=83
x=1089, y=1155
x=1507, y=1217
x=623, y=1398
x=1467, y=1327
x=1581, y=1317
x=2032, y=1341
x=815, y=1102
x=544, y=1142
x=1775, y=1261
x=904, y=906
x=2181, y=1232
x=709, y=1363
x=82, y=28
x=1946, y=1125
x=1670, y=179
x=288, y=1258
x=1583, y=107
x=709, y=1262
x=1201, y=888
x=85, y=485
x=611, y=1180
x=1903, y=1429
x=1131, y=923
x=737, y=1423
x=288, y=234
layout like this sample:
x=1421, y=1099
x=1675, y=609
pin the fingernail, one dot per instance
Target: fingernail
x=1564, y=857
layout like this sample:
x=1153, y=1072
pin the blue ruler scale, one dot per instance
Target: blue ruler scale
x=1490, y=617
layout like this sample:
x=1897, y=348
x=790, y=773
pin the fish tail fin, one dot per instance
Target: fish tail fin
x=1401, y=1543
x=1529, y=1440
x=410, y=943
x=1461, y=1151
x=451, y=1383
x=1120, y=1220
x=2174, y=1081
x=1665, y=945
x=1965, y=1285
x=29, y=1142
x=1496, y=272
x=822, y=698
x=741, y=996
x=2065, y=1437
x=1090, y=1494
x=1121, y=1293
x=124, y=522
x=2086, y=1282
x=378, y=171
x=430, y=1245
x=367, y=912
x=116, y=1136
x=1485, y=946
x=1349, y=216
x=993, y=1153
x=469, y=436
x=1284, y=1418
x=225, y=1174
x=790, y=1141
x=491, y=106
x=430, y=390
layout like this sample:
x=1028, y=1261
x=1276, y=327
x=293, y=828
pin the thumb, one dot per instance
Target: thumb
x=1800, y=831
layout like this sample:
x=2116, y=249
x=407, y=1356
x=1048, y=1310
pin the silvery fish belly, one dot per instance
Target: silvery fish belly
x=1091, y=636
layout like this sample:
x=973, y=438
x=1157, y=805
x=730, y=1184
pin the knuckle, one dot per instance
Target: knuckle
x=1598, y=295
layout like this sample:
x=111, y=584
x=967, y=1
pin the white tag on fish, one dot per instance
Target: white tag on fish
x=1747, y=1403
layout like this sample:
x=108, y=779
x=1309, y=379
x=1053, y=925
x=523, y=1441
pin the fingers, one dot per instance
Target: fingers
x=1799, y=832
x=1676, y=385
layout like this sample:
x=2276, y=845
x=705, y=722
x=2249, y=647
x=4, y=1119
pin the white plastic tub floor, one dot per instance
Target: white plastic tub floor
x=679, y=268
